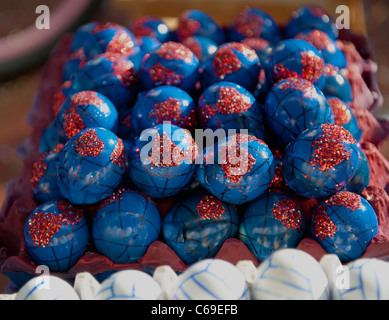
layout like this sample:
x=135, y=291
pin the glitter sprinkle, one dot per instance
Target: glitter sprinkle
x=72, y=122
x=313, y=66
x=104, y=26
x=160, y=75
x=257, y=44
x=43, y=226
x=305, y=87
x=79, y=55
x=225, y=62
x=38, y=170
x=121, y=43
x=118, y=155
x=175, y=50
x=319, y=39
x=288, y=213
x=115, y=197
x=187, y=27
x=330, y=148
x=123, y=69
x=168, y=110
x=278, y=183
x=341, y=112
x=231, y=101
x=59, y=98
x=139, y=28
x=165, y=153
x=323, y=226
x=193, y=45
x=249, y=24
x=210, y=207
x=89, y=144
x=345, y=199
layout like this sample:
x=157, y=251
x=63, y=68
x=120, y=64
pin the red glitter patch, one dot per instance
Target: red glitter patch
x=123, y=69
x=175, y=50
x=104, y=26
x=206, y=112
x=304, y=86
x=121, y=43
x=165, y=153
x=322, y=225
x=319, y=39
x=89, y=144
x=43, y=226
x=118, y=155
x=225, y=62
x=345, y=199
x=115, y=197
x=210, y=207
x=249, y=24
x=169, y=110
x=278, y=183
x=139, y=28
x=72, y=122
x=288, y=213
x=59, y=98
x=313, y=66
x=330, y=148
x=231, y=101
x=160, y=75
x=38, y=170
x=193, y=46
x=187, y=28
x=256, y=43
x=341, y=112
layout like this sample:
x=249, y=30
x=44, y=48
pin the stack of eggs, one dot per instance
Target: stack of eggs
x=130, y=121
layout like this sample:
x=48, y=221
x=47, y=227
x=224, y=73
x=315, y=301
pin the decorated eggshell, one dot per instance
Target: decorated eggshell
x=150, y=26
x=129, y=285
x=124, y=226
x=46, y=287
x=337, y=85
x=195, y=228
x=237, y=169
x=80, y=36
x=75, y=62
x=90, y=166
x=271, y=222
x=204, y=48
x=344, y=224
x=262, y=47
x=320, y=161
x=361, y=178
x=290, y=274
x=56, y=234
x=211, y=279
x=148, y=44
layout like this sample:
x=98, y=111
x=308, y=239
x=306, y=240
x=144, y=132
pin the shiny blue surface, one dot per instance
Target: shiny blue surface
x=361, y=178
x=80, y=36
x=251, y=185
x=203, y=47
x=309, y=180
x=251, y=119
x=85, y=179
x=291, y=109
x=65, y=248
x=124, y=228
x=337, y=85
x=262, y=232
x=193, y=238
x=148, y=44
x=150, y=26
x=355, y=228
x=49, y=139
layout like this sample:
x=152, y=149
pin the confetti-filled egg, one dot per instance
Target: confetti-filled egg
x=337, y=85
x=294, y=105
x=161, y=161
x=364, y=279
x=271, y=222
x=296, y=58
x=129, y=285
x=203, y=47
x=236, y=169
x=124, y=226
x=361, y=178
x=85, y=109
x=327, y=47
x=211, y=279
x=196, y=228
x=254, y=23
x=44, y=181
x=150, y=26
x=320, y=161
x=90, y=166
x=234, y=62
x=46, y=287
x=56, y=234
x=164, y=103
x=309, y=18
x=228, y=105
x=290, y=274
x=345, y=117
x=112, y=75
x=198, y=23
x=171, y=64
x=344, y=224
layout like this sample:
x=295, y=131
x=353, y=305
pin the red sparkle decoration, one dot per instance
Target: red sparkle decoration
x=256, y=43
x=248, y=24
x=59, y=98
x=168, y=110
x=231, y=101
x=304, y=86
x=80, y=55
x=175, y=50
x=165, y=153
x=225, y=62
x=330, y=147
x=123, y=69
x=313, y=66
x=322, y=225
x=187, y=28
x=72, y=122
x=38, y=170
x=160, y=75
x=115, y=197
x=193, y=45
x=118, y=155
x=288, y=213
x=121, y=43
x=139, y=28
x=319, y=39
x=345, y=199
x=104, y=26
x=341, y=112
x=278, y=183
x=89, y=144
x=209, y=207
x=43, y=226
x=331, y=70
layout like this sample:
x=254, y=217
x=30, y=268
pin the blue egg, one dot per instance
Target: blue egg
x=125, y=225
x=196, y=228
x=327, y=47
x=236, y=169
x=320, y=161
x=254, y=23
x=198, y=23
x=309, y=18
x=164, y=103
x=203, y=47
x=271, y=222
x=344, y=224
x=262, y=47
x=337, y=84
x=44, y=181
x=112, y=75
x=150, y=26
x=294, y=105
x=296, y=58
x=361, y=178
x=85, y=109
x=171, y=64
x=56, y=234
x=90, y=166
x=80, y=36
x=227, y=105
x=234, y=62
x=148, y=44
x=161, y=160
